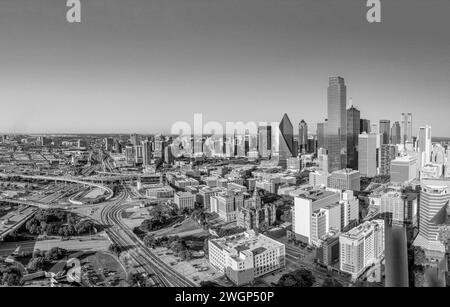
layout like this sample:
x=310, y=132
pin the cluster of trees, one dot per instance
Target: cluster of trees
x=58, y=222
x=299, y=278
x=40, y=260
x=178, y=246
x=10, y=276
x=417, y=261
x=224, y=232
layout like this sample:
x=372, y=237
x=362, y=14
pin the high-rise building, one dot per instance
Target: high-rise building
x=424, y=145
x=286, y=140
x=320, y=135
x=364, y=125
x=361, y=247
x=433, y=198
x=336, y=130
x=109, y=143
x=134, y=139
x=387, y=154
x=406, y=127
x=385, y=131
x=367, y=156
x=396, y=137
x=307, y=214
x=146, y=152
x=303, y=137
x=353, y=131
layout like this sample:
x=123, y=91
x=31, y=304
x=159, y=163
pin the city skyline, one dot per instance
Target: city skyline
x=141, y=67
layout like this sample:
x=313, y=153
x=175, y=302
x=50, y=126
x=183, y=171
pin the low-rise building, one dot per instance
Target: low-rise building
x=246, y=256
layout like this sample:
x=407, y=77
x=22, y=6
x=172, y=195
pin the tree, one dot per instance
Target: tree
x=330, y=282
x=298, y=278
x=36, y=264
x=149, y=240
x=55, y=253
x=419, y=256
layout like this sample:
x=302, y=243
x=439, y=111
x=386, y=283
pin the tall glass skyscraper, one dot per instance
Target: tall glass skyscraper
x=353, y=128
x=385, y=131
x=406, y=127
x=286, y=140
x=396, y=137
x=303, y=136
x=265, y=141
x=336, y=130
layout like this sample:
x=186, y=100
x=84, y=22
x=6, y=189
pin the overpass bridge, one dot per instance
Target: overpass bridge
x=19, y=220
x=89, y=181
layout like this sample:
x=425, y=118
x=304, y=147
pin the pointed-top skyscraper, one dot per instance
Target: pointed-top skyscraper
x=336, y=130
x=285, y=140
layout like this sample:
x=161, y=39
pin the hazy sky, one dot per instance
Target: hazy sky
x=141, y=65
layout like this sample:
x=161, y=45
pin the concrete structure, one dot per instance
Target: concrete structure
x=406, y=127
x=246, y=256
x=319, y=178
x=345, y=179
x=184, y=200
x=396, y=137
x=403, y=169
x=367, y=156
x=387, y=154
x=361, y=247
x=433, y=197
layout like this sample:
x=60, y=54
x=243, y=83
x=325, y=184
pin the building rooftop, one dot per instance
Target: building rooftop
x=247, y=242
x=360, y=230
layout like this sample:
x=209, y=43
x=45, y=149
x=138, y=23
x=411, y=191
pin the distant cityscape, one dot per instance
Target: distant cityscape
x=354, y=203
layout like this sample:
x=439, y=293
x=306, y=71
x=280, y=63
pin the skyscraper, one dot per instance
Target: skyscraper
x=388, y=154
x=146, y=152
x=367, y=156
x=353, y=128
x=406, y=127
x=303, y=137
x=432, y=199
x=285, y=140
x=424, y=145
x=264, y=140
x=320, y=135
x=396, y=137
x=364, y=125
x=336, y=130
x=385, y=131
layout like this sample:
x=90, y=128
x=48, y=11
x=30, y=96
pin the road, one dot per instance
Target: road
x=160, y=272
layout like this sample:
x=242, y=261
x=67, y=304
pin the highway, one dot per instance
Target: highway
x=160, y=272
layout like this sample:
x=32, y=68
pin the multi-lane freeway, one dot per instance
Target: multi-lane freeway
x=160, y=272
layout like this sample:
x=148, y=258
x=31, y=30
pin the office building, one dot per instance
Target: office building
x=304, y=224
x=433, y=197
x=385, y=131
x=403, y=169
x=226, y=204
x=406, y=128
x=345, y=179
x=285, y=140
x=336, y=128
x=320, y=135
x=387, y=154
x=424, y=145
x=367, y=156
x=146, y=152
x=361, y=247
x=303, y=137
x=353, y=131
x=319, y=178
x=246, y=256
x=364, y=126
x=396, y=134
x=184, y=200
